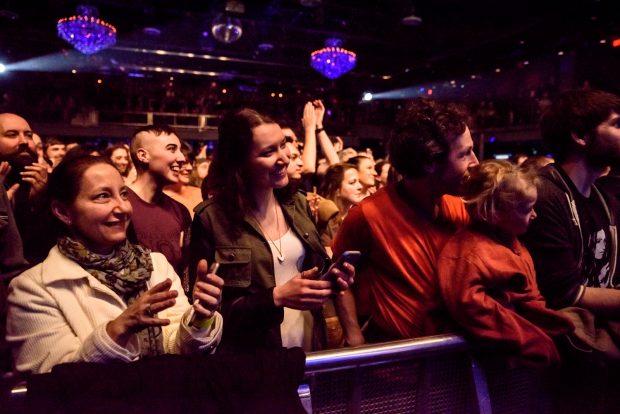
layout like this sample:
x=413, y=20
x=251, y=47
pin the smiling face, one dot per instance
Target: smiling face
x=367, y=172
x=55, y=153
x=269, y=157
x=100, y=214
x=296, y=164
x=186, y=172
x=350, y=191
x=162, y=153
x=120, y=159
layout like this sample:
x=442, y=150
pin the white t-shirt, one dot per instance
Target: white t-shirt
x=296, y=328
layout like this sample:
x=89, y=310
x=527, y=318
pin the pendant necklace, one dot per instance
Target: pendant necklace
x=278, y=249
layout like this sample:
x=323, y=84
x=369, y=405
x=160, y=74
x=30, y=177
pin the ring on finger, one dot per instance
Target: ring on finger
x=149, y=311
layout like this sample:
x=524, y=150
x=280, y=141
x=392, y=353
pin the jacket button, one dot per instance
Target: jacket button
x=306, y=235
x=230, y=256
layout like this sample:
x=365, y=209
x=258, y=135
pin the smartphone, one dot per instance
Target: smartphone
x=350, y=256
x=212, y=269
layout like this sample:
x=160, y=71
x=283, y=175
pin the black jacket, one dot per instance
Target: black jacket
x=556, y=242
x=251, y=320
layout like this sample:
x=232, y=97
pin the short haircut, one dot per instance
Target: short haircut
x=575, y=112
x=422, y=135
x=136, y=141
x=493, y=185
x=52, y=141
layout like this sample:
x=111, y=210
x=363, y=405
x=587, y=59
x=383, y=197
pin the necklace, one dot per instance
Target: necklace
x=280, y=256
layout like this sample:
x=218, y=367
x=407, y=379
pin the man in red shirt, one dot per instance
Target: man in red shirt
x=401, y=229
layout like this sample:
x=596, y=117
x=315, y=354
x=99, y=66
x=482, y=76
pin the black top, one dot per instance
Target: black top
x=571, y=240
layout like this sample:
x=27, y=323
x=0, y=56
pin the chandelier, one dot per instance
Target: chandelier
x=333, y=61
x=226, y=29
x=85, y=31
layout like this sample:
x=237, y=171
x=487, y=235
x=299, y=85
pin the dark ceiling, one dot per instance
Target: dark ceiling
x=456, y=38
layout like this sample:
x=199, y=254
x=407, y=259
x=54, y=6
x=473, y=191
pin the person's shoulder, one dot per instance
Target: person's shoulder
x=465, y=243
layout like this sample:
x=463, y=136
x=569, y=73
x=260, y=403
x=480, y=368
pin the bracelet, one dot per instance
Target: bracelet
x=203, y=324
x=319, y=130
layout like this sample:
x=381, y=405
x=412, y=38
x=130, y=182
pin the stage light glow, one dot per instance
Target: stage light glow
x=367, y=97
x=2, y=68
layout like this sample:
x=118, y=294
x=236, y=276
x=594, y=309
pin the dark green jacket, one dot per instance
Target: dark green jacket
x=251, y=320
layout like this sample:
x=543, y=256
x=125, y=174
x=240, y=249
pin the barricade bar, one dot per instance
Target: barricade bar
x=384, y=352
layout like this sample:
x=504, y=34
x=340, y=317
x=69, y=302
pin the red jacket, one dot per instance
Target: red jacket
x=491, y=291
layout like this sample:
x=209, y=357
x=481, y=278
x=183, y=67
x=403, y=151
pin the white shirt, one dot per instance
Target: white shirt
x=296, y=327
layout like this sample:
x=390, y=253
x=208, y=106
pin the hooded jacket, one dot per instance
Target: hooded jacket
x=556, y=240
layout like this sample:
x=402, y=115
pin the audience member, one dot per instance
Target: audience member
x=182, y=191
x=54, y=150
x=264, y=240
x=487, y=277
x=119, y=156
x=97, y=297
x=160, y=223
x=367, y=173
x=401, y=229
x=342, y=190
x=574, y=241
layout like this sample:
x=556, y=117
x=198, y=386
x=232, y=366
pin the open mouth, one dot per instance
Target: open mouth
x=175, y=169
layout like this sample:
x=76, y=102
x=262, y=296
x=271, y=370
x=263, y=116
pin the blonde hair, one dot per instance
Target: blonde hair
x=493, y=185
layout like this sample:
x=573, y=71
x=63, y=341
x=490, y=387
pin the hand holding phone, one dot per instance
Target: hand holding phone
x=207, y=291
x=352, y=257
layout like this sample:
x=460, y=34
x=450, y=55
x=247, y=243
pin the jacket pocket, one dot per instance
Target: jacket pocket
x=235, y=265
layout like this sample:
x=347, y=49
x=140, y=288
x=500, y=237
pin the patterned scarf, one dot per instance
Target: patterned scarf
x=126, y=272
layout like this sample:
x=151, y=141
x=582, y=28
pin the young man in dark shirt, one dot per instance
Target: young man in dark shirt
x=158, y=222
x=574, y=244
x=573, y=240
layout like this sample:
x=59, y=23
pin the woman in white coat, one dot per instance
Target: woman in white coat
x=98, y=297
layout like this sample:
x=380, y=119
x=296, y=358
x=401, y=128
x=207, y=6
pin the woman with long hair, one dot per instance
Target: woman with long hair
x=264, y=239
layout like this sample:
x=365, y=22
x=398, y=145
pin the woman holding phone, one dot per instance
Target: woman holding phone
x=264, y=239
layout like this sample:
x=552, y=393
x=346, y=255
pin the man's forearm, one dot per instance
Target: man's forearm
x=603, y=302
x=347, y=314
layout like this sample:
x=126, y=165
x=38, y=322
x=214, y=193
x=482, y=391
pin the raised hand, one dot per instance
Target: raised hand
x=36, y=175
x=319, y=111
x=142, y=313
x=207, y=291
x=308, y=119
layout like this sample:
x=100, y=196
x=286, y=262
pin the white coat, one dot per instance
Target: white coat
x=58, y=312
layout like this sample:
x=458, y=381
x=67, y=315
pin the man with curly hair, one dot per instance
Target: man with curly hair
x=401, y=229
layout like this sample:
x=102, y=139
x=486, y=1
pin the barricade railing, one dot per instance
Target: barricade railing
x=435, y=374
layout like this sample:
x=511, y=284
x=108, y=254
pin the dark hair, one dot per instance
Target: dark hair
x=64, y=182
x=52, y=141
x=188, y=152
x=110, y=150
x=157, y=130
x=422, y=135
x=229, y=181
x=333, y=179
x=575, y=112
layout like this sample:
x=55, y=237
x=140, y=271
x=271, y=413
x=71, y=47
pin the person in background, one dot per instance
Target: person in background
x=54, y=150
x=263, y=237
x=183, y=191
x=119, y=156
x=401, y=229
x=342, y=190
x=536, y=162
x=487, y=276
x=160, y=223
x=367, y=173
x=383, y=173
x=98, y=297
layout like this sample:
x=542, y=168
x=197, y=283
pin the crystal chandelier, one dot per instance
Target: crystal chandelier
x=85, y=31
x=333, y=61
x=226, y=29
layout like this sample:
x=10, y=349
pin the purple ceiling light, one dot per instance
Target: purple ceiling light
x=85, y=31
x=333, y=61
